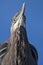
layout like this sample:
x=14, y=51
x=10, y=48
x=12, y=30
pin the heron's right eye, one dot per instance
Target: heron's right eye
x=14, y=20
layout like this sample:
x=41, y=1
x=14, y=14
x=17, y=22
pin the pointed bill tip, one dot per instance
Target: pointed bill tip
x=23, y=8
x=24, y=4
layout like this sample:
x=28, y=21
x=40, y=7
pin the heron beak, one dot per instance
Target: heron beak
x=23, y=9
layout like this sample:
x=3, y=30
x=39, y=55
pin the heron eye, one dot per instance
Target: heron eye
x=14, y=20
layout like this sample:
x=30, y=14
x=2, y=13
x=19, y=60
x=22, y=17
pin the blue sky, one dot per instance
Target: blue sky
x=34, y=22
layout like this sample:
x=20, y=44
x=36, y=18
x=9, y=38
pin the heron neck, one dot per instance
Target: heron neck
x=19, y=34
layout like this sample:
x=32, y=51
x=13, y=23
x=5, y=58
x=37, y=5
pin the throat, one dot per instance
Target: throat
x=19, y=34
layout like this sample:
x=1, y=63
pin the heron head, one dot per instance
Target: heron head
x=19, y=19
